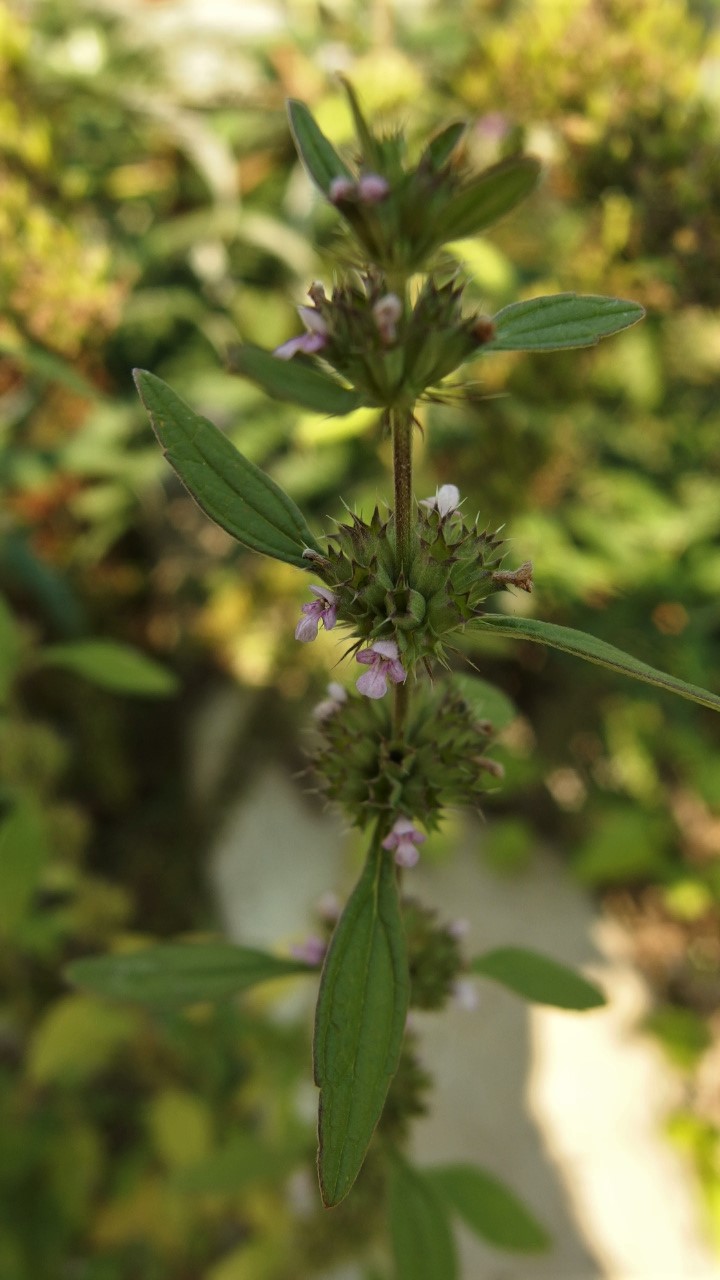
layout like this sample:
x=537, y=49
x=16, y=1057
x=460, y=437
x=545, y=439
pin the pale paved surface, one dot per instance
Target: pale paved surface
x=567, y=1109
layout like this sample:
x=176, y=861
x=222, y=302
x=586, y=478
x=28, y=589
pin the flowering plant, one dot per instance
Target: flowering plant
x=413, y=738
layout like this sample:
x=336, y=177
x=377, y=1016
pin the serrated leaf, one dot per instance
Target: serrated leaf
x=420, y=1231
x=359, y=1023
x=561, y=320
x=485, y=700
x=24, y=850
x=440, y=148
x=235, y=493
x=294, y=381
x=485, y=199
x=180, y=973
x=538, y=978
x=317, y=154
x=490, y=1209
x=111, y=665
x=593, y=650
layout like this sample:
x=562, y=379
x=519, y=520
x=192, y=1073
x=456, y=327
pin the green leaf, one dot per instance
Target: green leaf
x=24, y=850
x=486, y=199
x=420, y=1231
x=77, y=1039
x=112, y=666
x=592, y=650
x=235, y=493
x=293, y=380
x=318, y=155
x=180, y=973
x=440, y=148
x=489, y=1208
x=359, y=1023
x=244, y=1160
x=10, y=651
x=485, y=700
x=537, y=978
x=369, y=149
x=561, y=320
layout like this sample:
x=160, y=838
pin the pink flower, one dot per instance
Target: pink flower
x=446, y=500
x=337, y=695
x=309, y=343
x=311, y=951
x=372, y=188
x=383, y=660
x=322, y=610
x=404, y=839
x=342, y=189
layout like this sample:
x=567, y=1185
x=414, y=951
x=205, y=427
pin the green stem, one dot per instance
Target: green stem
x=401, y=422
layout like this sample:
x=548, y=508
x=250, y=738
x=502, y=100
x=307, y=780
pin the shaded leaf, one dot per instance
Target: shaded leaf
x=112, y=666
x=24, y=849
x=487, y=198
x=369, y=149
x=535, y=977
x=490, y=1209
x=242, y=1161
x=317, y=154
x=561, y=320
x=440, y=148
x=180, y=973
x=235, y=493
x=10, y=651
x=420, y=1230
x=359, y=1023
x=485, y=700
x=293, y=380
x=593, y=650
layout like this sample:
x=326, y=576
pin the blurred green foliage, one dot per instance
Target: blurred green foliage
x=151, y=213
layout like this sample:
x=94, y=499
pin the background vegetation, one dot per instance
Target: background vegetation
x=151, y=211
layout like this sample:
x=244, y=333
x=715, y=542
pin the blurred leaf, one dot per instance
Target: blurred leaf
x=76, y=1039
x=490, y=1210
x=440, y=148
x=420, y=1231
x=177, y=973
x=683, y=1033
x=485, y=700
x=10, y=651
x=484, y=200
x=370, y=150
x=593, y=650
x=181, y=1128
x=111, y=665
x=243, y=1160
x=24, y=850
x=561, y=320
x=535, y=977
x=235, y=493
x=359, y=1023
x=293, y=380
x=624, y=844
x=318, y=155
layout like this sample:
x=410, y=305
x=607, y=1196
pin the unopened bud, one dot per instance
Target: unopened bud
x=372, y=188
x=483, y=329
x=386, y=313
x=316, y=293
x=341, y=190
x=521, y=577
x=493, y=767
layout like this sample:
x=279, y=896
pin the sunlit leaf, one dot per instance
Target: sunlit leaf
x=76, y=1039
x=318, y=155
x=180, y=973
x=420, y=1230
x=111, y=665
x=293, y=380
x=561, y=320
x=490, y=1209
x=235, y=493
x=359, y=1023
x=535, y=977
x=593, y=650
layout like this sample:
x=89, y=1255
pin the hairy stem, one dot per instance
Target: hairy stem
x=401, y=422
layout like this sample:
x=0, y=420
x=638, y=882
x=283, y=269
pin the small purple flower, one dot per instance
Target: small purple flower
x=386, y=313
x=324, y=610
x=337, y=695
x=341, y=189
x=404, y=839
x=311, y=951
x=446, y=500
x=309, y=343
x=372, y=188
x=384, y=662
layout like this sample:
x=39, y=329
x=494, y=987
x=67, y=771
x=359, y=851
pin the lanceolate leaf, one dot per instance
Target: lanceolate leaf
x=440, y=148
x=537, y=978
x=593, y=650
x=235, y=493
x=487, y=198
x=561, y=320
x=489, y=1208
x=371, y=152
x=359, y=1023
x=293, y=380
x=180, y=973
x=420, y=1228
x=318, y=155
x=112, y=666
